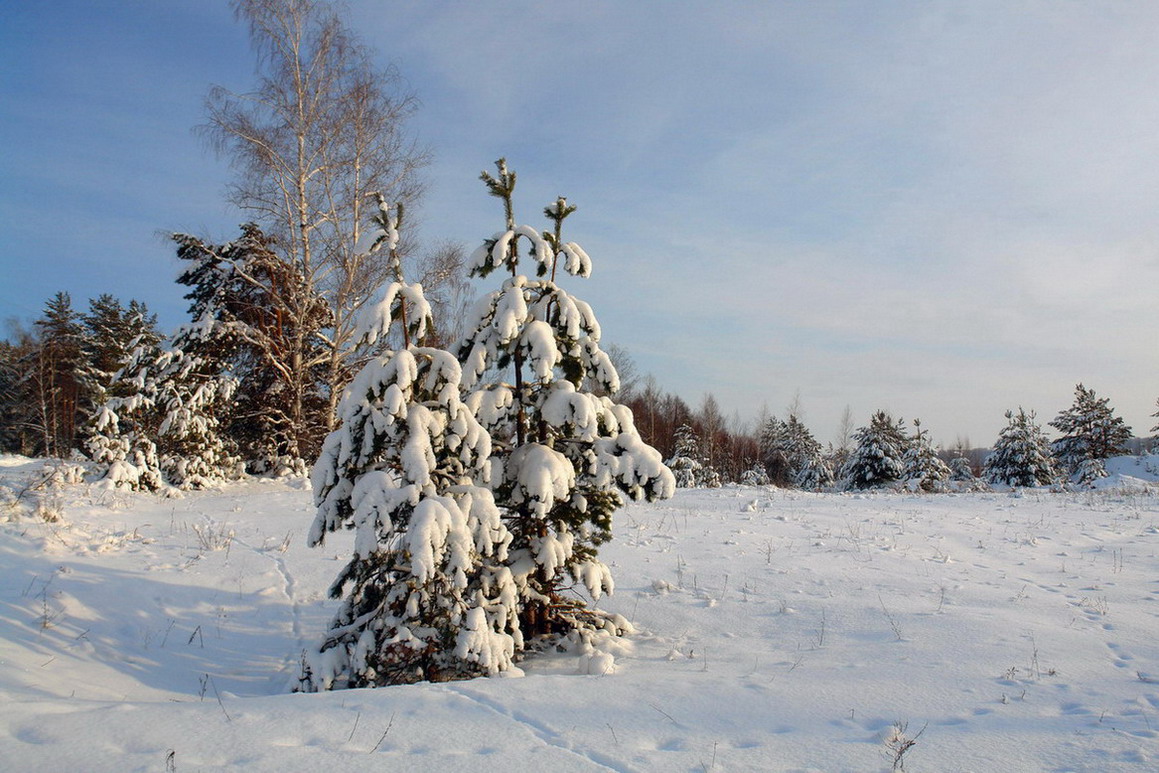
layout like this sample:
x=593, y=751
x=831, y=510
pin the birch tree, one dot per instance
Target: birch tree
x=322, y=131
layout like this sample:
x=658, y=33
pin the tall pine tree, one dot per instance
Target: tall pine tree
x=19, y=419
x=1091, y=433
x=426, y=595
x=260, y=317
x=566, y=458
x=52, y=379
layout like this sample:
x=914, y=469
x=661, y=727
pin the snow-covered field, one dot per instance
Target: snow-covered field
x=777, y=631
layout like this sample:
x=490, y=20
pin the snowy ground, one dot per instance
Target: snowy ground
x=778, y=631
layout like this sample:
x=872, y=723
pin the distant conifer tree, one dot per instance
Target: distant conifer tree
x=1021, y=456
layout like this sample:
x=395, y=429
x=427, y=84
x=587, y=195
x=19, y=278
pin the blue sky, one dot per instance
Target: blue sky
x=941, y=209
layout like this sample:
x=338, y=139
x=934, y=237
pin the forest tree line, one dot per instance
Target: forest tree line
x=215, y=400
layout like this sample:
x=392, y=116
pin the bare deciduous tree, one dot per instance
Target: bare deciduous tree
x=323, y=131
x=442, y=272
x=844, y=439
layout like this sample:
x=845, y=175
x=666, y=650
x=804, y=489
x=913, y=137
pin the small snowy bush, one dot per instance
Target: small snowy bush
x=755, y=475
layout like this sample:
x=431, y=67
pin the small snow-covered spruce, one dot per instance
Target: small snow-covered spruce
x=923, y=470
x=565, y=457
x=1021, y=455
x=807, y=466
x=1091, y=433
x=962, y=476
x=193, y=390
x=162, y=422
x=121, y=430
x=709, y=477
x=426, y=595
x=774, y=454
x=110, y=439
x=685, y=463
x=961, y=471
x=192, y=398
x=878, y=455
x=755, y=475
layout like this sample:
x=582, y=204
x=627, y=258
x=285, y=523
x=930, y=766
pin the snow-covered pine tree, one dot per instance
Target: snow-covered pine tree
x=177, y=399
x=755, y=475
x=1021, y=455
x=773, y=453
x=111, y=333
x=1091, y=433
x=961, y=470
x=566, y=458
x=685, y=462
x=708, y=476
x=922, y=467
x=807, y=466
x=53, y=382
x=121, y=431
x=259, y=317
x=193, y=398
x=877, y=458
x=426, y=595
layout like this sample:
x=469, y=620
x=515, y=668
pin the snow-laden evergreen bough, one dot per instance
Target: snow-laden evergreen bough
x=427, y=594
x=565, y=455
